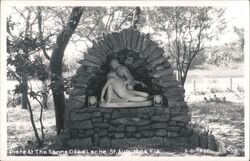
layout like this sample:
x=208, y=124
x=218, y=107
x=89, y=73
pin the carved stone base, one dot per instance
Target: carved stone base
x=127, y=104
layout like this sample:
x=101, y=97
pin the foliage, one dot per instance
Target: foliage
x=23, y=64
x=228, y=53
x=187, y=30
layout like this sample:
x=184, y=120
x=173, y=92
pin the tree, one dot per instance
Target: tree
x=19, y=64
x=240, y=34
x=187, y=30
x=56, y=65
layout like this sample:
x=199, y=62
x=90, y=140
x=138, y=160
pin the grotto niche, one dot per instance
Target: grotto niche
x=164, y=121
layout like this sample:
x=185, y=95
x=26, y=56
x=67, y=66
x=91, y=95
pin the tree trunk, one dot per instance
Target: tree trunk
x=24, y=92
x=45, y=94
x=24, y=76
x=39, y=141
x=136, y=17
x=56, y=65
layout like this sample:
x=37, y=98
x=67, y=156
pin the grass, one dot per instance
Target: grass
x=224, y=119
x=19, y=129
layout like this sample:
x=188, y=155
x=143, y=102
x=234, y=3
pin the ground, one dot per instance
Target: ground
x=224, y=117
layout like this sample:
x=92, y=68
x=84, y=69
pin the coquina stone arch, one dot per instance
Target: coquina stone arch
x=144, y=58
x=165, y=125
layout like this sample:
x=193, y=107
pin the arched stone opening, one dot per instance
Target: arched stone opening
x=142, y=56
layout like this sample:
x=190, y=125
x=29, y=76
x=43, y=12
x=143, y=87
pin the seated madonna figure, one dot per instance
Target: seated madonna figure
x=119, y=87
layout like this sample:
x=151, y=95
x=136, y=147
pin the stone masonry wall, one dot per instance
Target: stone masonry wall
x=127, y=127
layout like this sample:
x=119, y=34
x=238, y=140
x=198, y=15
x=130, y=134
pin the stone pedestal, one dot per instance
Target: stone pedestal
x=127, y=127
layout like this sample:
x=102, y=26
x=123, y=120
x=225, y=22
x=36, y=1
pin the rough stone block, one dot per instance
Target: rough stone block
x=129, y=134
x=96, y=114
x=136, y=135
x=74, y=133
x=176, y=142
x=160, y=118
x=86, y=133
x=176, y=103
x=151, y=142
x=184, y=110
x=185, y=132
x=134, y=39
x=175, y=110
x=80, y=116
x=131, y=128
x=66, y=114
x=139, y=122
x=160, y=110
x=176, y=98
x=145, y=116
x=102, y=132
x=139, y=43
x=144, y=110
x=116, y=36
x=116, y=128
x=130, y=33
x=107, y=115
x=97, y=119
x=158, y=125
x=85, y=125
x=115, y=114
x=133, y=142
x=147, y=133
x=160, y=132
x=119, y=135
x=158, y=52
x=124, y=38
x=106, y=110
x=173, y=134
x=96, y=139
x=124, y=143
x=164, y=72
x=145, y=127
x=172, y=123
x=80, y=143
x=122, y=121
x=104, y=142
x=184, y=118
x=152, y=46
x=173, y=128
x=128, y=115
x=87, y=110
x=101, y=125
x=78, y=92
x=75, y=104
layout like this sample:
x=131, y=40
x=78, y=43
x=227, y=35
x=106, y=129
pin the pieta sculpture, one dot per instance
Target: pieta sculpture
x=119, y=91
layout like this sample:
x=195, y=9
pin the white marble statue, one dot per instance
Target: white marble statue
x=119, y=87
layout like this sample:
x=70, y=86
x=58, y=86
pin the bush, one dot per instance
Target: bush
x=14, y=101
